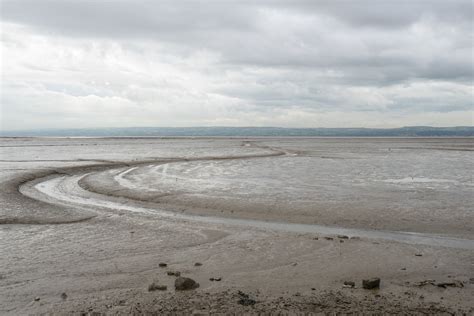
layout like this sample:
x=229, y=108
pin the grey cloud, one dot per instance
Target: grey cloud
x=314, y=34
x=235, y=57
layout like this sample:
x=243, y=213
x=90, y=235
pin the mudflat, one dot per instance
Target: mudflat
x=262, y=224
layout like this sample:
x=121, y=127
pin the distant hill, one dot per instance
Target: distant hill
x=411, y=131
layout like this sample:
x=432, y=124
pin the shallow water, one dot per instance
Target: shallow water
x=65, y=189
x=390, y=184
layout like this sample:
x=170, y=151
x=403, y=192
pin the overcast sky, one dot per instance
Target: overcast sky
x=334, y=63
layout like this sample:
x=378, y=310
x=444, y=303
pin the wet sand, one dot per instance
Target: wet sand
x=101, y=244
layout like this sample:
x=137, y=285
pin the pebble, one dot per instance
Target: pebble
x=373, y=283
x=183, y=284
x=174, y=273
x=156, y=287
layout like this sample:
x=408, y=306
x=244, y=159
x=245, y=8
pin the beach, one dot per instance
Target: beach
x=278, y=225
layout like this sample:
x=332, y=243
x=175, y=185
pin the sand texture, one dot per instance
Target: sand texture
x=262, y=224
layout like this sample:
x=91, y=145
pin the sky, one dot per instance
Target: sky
x=329, y=63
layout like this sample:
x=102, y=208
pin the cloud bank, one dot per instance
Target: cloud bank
x=368, y=63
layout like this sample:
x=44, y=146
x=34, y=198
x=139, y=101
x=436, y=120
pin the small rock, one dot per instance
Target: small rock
x=37, y=299
x=403, y=269
x=183, y=284
x=245, y=299
x=425, y=282
x=349, y=283
x=63, y=296
x=294, y=264
x=328, y=238
x=215, y=279
x=156, y=287
x=342, y=236
x=162, y=265
x=198, y=264
x=451, y=284
x=369, y=284
x=174, y=273
x=313, y=289
x=418, y=254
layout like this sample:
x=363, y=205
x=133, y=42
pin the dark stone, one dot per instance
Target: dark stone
x=369, y=284
x=245, y=299
x=64, y=296
x=175, y=273
x=342, y=236
x=349, y=283
x=37, y=299
x=418, y=254
x=198, y=264
x=183, y=284
x=156, y=287
x=452, y=284
x=162, y=265
x=215, y=279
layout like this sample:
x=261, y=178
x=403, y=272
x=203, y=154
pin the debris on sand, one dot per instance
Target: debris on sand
x=215, y=279
x=342, y=237
x=198, y=264
x=63, y=296
x=183, y=284
x=156, y=287
x=162, y=265
x=369, y=284
x=349, y=284
x=245, y=299
x=174, y=273
x=450, y=284
x=425, y=282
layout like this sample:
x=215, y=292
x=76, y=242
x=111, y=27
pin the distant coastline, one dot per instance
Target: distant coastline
x=409, y=131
